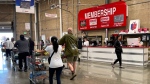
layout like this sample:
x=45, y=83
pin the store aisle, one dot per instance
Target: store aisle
x=88, y=73
x=8, y=76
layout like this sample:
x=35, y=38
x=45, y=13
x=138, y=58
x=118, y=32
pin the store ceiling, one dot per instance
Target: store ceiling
x=7, y=0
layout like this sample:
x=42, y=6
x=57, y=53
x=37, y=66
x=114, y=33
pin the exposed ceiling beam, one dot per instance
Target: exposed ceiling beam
x=7, y=2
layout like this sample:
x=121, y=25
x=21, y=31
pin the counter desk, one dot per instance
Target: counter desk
x=130, y=55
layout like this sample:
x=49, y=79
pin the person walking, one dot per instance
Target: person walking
x=42, y=44
x=8, y=47
x=31, y=48
x=56, y=64
x=71, y=50
x=79, y=47
x=23, y=47
x=12, y=44
x=118, y=51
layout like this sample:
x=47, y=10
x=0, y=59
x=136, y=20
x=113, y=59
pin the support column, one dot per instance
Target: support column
x=14, y=23
x=36, y=25
x=31, y=31
x=78, y=1
x=60, y=16
x=106, y=31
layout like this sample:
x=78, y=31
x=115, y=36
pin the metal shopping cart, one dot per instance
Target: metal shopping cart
x=14, y=58
x=3, y=50
x=38, y=69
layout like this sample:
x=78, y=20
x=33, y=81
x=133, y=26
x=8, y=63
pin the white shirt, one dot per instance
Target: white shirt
x=56, y=60
x=12, y=45
x=86, y=43
x=8, y=44
x=141, y=42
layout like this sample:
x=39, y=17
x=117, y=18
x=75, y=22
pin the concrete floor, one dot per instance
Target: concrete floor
x=87, y=73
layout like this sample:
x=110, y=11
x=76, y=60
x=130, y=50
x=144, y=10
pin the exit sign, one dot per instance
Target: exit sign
x=24, y=32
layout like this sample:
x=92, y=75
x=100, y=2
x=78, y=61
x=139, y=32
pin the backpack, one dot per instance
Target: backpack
x=74, y=49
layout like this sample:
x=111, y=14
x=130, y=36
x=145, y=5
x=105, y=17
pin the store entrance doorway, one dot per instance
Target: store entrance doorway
x=4, y=36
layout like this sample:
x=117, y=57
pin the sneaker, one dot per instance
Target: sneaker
x=73, y=77
x=112, y=65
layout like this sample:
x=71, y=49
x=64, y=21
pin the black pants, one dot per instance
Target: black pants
x=119, y=58
x=30, y=51
x=58, y=74
x=22, y=56
x=8, y=52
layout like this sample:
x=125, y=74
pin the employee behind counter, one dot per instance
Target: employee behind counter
x=91, y=42
x=137, y=43
x=140, y=42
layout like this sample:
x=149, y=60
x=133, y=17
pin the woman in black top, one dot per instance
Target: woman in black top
x=118, y=51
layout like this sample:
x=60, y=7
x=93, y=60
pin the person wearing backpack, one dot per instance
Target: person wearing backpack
x=71, y=50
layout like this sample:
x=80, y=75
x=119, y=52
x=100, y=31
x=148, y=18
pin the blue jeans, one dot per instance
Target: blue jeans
x=58, y=74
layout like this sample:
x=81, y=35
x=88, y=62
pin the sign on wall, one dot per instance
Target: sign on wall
x=27, y=26
x=105, y=16
x=134, y=26
x=50, y=15
x=25, y=6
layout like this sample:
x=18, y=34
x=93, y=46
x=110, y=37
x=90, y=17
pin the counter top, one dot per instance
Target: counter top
x=112, y=47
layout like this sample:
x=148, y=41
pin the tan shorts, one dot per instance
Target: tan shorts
x=72, y=58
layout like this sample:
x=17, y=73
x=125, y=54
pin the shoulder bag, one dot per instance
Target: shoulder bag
x=49, y=59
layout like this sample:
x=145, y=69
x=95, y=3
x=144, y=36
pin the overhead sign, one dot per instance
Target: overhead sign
x=50, y=15
x=105, y=16
x=25, y=6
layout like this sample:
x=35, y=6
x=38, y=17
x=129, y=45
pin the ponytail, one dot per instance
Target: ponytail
x=54, y=43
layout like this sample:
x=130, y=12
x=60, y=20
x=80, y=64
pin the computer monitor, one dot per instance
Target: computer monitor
x=132, y=41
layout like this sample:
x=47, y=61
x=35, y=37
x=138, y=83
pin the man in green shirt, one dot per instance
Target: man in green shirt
x=71, y=52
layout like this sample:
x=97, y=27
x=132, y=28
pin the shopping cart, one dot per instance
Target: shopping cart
x=38, y=69
x=14, y=58
x=3, y=50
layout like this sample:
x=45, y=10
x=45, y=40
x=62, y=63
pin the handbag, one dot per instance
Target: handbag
x=49, y=59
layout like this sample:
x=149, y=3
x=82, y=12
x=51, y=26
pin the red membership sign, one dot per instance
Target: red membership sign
x=106, y=16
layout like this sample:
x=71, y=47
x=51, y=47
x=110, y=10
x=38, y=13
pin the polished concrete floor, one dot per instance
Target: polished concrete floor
x=87, y=73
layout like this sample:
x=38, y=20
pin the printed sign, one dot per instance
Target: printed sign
x=25, y=6
x=105, y=16
x=134, y=26
x=27, y=26
x=93, y=22
x=51, y=15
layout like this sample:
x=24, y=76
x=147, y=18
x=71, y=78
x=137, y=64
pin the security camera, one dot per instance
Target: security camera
x=52, y=6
